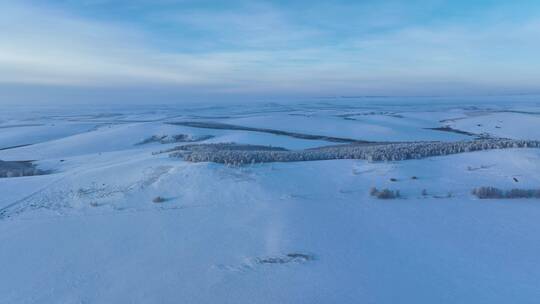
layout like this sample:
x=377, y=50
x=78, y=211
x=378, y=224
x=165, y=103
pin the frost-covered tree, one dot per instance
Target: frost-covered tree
x=230, y=153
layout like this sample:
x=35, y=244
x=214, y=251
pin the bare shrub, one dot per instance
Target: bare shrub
x=488, y=192
x=523, y=193
x=494, y=193
x=158, y=199
x=384, y=193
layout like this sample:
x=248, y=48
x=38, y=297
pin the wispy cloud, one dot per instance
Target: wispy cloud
x=259, y=47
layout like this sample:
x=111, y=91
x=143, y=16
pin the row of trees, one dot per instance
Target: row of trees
x=494, y=193
x=246, y=154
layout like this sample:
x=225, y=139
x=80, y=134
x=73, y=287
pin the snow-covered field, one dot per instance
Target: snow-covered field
x=297, y=232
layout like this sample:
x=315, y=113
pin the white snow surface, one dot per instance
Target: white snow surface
x=302, y=232
x=520, y=125
x=370, y=127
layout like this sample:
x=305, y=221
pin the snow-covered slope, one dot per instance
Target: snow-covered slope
x=517, y=125
x=361, y=126
x=24, y=134
x=300, y=232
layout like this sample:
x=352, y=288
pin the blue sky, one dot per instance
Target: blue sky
x=183, y=49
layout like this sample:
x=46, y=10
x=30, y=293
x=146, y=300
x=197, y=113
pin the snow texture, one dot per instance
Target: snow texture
x=279, y=232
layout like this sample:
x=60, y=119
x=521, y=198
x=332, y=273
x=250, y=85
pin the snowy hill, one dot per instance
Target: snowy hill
x=89, y=231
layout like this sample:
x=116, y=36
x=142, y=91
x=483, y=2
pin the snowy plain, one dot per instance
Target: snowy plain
x=299, y=232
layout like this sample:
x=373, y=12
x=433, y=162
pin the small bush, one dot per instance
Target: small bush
x=158, y=199
x=384, y=194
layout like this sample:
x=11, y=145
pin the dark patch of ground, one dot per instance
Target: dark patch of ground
x=14, y=147
x=452, y=130
x=178, y=138
x=288, y=258
x=222, y=126
x=20, y=126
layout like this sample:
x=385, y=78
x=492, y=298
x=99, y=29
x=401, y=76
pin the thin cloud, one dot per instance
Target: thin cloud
x=261, y=48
